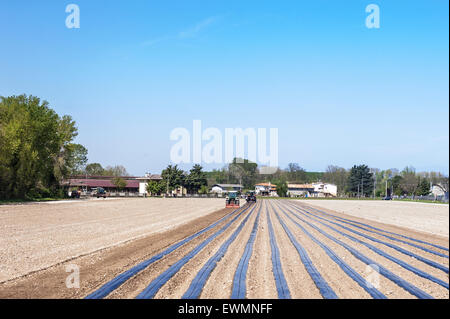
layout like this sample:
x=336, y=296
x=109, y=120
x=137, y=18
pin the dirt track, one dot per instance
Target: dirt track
x=294, y=223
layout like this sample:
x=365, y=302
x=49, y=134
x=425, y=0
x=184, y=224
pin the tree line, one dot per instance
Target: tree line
x=36, y=148
x=366, y=182
x=194, y=181
x=37, y=152
x=358, y=181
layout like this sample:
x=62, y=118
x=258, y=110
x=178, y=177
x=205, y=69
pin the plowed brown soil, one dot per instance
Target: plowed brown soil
x=101, y=266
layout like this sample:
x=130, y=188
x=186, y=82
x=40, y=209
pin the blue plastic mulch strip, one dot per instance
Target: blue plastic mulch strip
x=157, y=283
x=375, y=293
x=197, y=284
x=342, y=220
x=321, y=284
x=388, y=232
x=404, y=251
x=280, y=280
x=239, y=290
x=355, y=224
x=109, y=287
x=378, y=251
x=383, y=271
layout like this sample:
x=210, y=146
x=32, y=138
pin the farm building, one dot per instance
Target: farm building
x=312, y=190
x=225, y=188
x=266, y=189
x=438, y=191
x=86, y=184
x=143, y=181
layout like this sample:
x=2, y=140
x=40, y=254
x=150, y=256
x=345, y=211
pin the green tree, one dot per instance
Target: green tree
x=282, y=188
x=338, y=176
x=94, y=169
x=70, y=156
x=396, y=185
x=36, y=149
x=217, y=176
x=117, y=170
x=295, y=173
x=278, y=175
x=196, y=179
x=76, y=158
x=424, y=187
x=360, y=180
x=155, y=187
x=243, y=172
x=173, y=177
x=119, y=182
x=383, y=179
x=203, y=190
x=409, y=182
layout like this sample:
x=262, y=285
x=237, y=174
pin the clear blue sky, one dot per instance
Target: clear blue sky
x=339, y=93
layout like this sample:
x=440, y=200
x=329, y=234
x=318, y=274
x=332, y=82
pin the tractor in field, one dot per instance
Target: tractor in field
x=232, y=200
x=99, y=192
x=251, y=197
x=75, y=193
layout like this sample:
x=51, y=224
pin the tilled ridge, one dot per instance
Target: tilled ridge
x=386, y=286
x=260, y=279
x=300, y=284
x=416, y=234
x=422, y=283
x=220, y=283
x=336, y=257
x=132, y=287
x=179, y=283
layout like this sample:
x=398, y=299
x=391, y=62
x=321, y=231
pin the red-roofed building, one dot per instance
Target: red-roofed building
x=90, y=183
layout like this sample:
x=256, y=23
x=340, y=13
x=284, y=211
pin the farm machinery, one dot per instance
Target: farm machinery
x=251, y=197
x=232, y=200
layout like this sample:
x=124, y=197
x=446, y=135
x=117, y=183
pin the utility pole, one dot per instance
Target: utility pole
x=431, y=189
x=386, y=189
x=167, y=189
x=374, y=185
x=362, y=186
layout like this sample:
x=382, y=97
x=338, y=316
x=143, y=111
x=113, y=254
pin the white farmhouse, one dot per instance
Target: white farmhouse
x=325, y=190
x=312, y=190
x=225, y=188
x=143, y=181
x=438, y=192
x=266, y=189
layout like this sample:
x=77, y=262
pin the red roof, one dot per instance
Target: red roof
x=272, y=186
x=105, y=183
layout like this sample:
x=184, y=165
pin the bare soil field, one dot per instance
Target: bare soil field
x=37, y=236
x=425, y=217
x=271, y=249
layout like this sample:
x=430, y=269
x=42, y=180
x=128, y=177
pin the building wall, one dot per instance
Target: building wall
x=217, y=189
x=299, y=193
x=437, y=191
x=332, y=189
x=323, y=189
x=259, y=189
x=318, y=190
x=142, y=188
